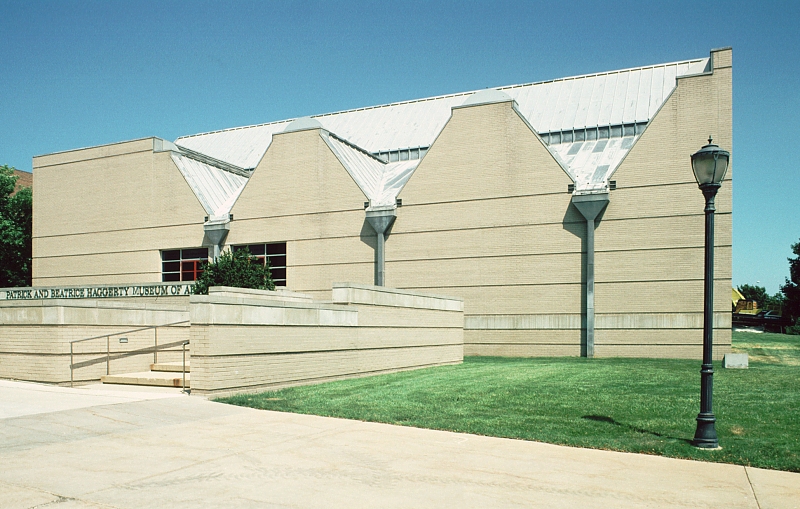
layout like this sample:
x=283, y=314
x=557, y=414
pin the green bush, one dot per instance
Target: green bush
x=238, y=269
x=791, y=291
x=15, y=231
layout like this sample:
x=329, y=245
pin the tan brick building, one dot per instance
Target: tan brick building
x=476, y=193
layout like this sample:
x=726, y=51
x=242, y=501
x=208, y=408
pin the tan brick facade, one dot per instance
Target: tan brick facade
x=486, y=217
x=102, y=215
x=301, y=194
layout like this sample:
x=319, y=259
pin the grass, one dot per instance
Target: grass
x=635, y=405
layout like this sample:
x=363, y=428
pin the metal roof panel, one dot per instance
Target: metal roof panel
x=631, y=97
x=216, y=189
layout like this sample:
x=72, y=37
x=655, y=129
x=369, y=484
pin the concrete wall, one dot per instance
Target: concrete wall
x=246, y=341
x=35, y=337
x=101, y=215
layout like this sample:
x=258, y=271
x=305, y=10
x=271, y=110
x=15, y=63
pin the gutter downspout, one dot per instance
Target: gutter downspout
x=381, y=219
x=590, y=206
x=217, y=230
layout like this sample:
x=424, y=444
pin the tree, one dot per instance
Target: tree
x=15, y=231
x=238, y=269
x=791, y=290
x=754, y=293
x=760, y=295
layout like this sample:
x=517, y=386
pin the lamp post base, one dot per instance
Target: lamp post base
x=706, y=435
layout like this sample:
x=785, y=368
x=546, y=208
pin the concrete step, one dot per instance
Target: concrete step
x=151, y=378
x=171, y=367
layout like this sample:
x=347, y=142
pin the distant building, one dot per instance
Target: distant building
x=24, y=179
x=482, y=195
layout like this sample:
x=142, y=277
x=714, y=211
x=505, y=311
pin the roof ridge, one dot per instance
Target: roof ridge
x=213, y=162
x=603, y=73
x=457, y=94
x=356, y=147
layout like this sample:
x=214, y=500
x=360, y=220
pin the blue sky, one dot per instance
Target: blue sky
x=77, y=74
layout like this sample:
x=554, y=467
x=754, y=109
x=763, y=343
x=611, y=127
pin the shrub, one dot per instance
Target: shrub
x=794, y=329
x=238, y=269
x=15, y=231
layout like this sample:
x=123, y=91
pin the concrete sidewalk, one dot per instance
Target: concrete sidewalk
x=141, y=449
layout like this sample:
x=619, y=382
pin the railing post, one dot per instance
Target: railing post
x=71, y=367
x=108, y=355
x=184, y=365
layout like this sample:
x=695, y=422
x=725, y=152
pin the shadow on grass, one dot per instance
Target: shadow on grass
x=603, y=418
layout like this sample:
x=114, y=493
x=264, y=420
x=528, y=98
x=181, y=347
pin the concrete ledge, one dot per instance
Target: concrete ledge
x=279, y=295
x=92, y=312
x=223, y=309
x=522, y=322
x=602, y=321
x=351, y=293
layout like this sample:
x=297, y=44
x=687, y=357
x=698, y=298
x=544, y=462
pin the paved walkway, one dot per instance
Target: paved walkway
x=66, y=448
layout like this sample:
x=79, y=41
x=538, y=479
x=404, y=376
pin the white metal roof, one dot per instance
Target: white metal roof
x=617, y=98
x=379, y=181
x=216, y=189
x=590, y=163
x=243, y=146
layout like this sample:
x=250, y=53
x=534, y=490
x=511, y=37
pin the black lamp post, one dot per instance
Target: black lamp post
x=709, y=165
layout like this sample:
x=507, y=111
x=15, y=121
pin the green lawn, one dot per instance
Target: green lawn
x=636, y=405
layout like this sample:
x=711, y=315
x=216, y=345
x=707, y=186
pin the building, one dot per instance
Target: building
x=490, y=196
x=24, y=179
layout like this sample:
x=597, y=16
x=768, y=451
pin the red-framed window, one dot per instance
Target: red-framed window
x=275, y=253
x=183, y=264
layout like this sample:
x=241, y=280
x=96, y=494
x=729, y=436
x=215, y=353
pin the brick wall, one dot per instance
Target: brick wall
x=246, y=343
x=35, y=337
x=487, y=217
x=101, y=215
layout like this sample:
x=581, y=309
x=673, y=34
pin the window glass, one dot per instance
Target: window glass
x=275, y=253
x=175, y=254
x=277, y=261
x=276, y=249
x=170, y=266
x=194, y=254
x=183, y=264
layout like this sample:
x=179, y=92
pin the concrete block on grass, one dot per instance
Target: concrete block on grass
x=735, y=360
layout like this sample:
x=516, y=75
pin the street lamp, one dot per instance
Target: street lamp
x=709, y=164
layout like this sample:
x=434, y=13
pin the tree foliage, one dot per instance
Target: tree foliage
x=15, y=231
x=791, y=290
x=238, y=269
x=760, y=295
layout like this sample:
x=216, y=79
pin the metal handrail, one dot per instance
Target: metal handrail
x=155, y=349
x=129, y=331
x=184, y=368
